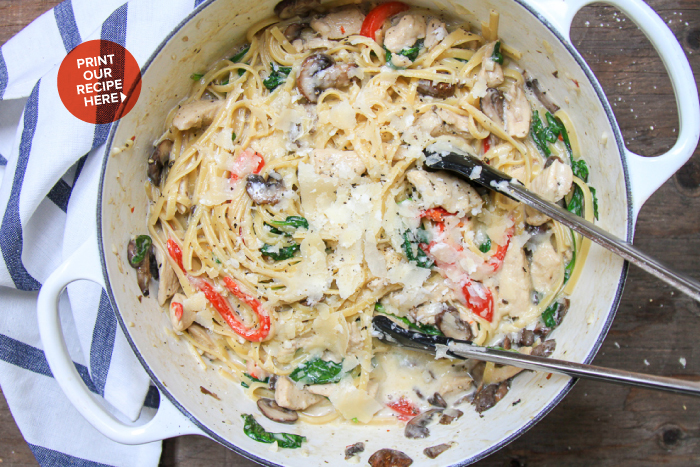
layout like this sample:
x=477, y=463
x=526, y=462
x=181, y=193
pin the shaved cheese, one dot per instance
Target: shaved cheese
x=354, y=403
x=312, y=279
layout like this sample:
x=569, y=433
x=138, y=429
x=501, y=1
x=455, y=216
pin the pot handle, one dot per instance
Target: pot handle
x=647, y=174
x=84, y=264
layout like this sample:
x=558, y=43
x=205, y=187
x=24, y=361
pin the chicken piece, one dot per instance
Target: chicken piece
x=339, y=24
x=404, y=35
x=181, y=313
x=287, y=395
x=168, y=282
x=452, y=124
x=196, y=114
x=445, y=190
x=343, y=164
x=435, y=32
x=491, y=72
x=517, y=112
x=545, y=267
x=450, y=384
x=552, y=184
x=514, y=284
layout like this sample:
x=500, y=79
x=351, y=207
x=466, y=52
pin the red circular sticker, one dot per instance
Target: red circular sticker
x=99, y=81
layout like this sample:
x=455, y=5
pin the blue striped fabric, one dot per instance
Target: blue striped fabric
x=33, y=359
x=65, y=20
x=28, y=67
x=3, y=75
x=50, y=458
x=11, y=238
x=102, y=343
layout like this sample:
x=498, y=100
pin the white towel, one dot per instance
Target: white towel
x=49, y=167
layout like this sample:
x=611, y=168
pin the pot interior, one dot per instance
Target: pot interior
x=211, y=33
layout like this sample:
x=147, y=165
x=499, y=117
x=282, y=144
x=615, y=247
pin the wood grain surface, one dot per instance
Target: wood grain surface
x=596, y=424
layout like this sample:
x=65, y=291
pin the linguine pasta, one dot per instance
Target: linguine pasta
x=293, y=207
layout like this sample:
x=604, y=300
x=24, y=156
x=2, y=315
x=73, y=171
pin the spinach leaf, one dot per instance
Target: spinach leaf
x=497, y=56
x=548, y=315
x=420, y=257
x=317, y=371
x=283, y=253
x=233, y=136
x=278, y=76
x=570, y=267
x=291, y=223
x=575, y=205
x=538, y=133
x=256, y=432
x=253, y=379
x=238, y=57
x=143, y=246
x=424, y=328
x=486, y=246
x=595, y=202
x=410, y=53
x=196, y=76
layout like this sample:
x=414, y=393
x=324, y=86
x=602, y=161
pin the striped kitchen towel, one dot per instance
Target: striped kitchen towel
x=49, y=167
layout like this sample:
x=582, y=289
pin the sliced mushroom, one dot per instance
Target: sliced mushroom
x=320, y=72
x=143, y=277
x=142, y=265
x=264, y=191
x=452, y=325
x=431, y=88
x=154, y=263
x=545, y=349
x=417, y=426
x=527, y=338
x=158, y=159
x=489, y=395
x=534, y=85
x=181, y=316
x=434, y=451
x=450, y=415
x=293, y=31
x=274, y=412
x=354, y=449
x=437, y=400
x=492, y=105
x=389, y=458
x=289, y=8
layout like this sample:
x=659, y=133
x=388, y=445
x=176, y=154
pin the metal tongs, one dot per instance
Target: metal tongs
x=470, y=167
x=391, y=333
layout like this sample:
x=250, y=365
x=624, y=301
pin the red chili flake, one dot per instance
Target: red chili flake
x=132, y=209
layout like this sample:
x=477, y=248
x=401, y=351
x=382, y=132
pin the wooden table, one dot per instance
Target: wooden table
x=596, y=424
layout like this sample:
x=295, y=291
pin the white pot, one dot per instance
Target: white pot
x=539, y=29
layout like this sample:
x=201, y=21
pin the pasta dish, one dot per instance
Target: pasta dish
x=289, y=205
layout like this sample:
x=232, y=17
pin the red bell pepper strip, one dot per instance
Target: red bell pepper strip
x=436, y=214
x=482, y=306
x=375, y=18
x=404, y=408
x=222, y=306
x=496, y=259
x=177, y=307
x=487, y=145
x=248, y=162
x=175, y=253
